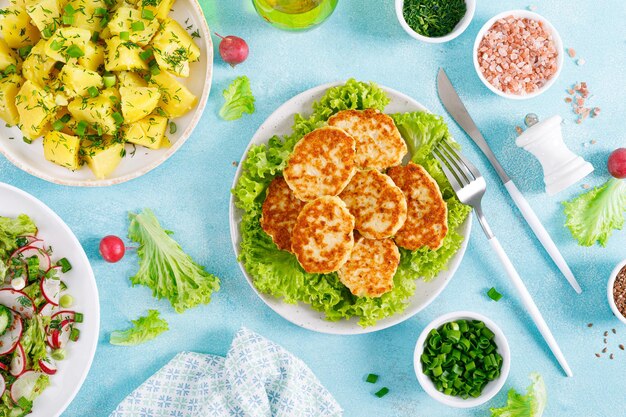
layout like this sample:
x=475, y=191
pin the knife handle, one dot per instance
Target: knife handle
x=541, y=233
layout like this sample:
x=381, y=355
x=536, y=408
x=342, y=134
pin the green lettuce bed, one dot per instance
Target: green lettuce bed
x=279, y=274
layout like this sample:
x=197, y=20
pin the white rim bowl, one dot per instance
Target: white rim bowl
x=491, y=389
x=609, y=291
x=556, y=38
x=458, y=29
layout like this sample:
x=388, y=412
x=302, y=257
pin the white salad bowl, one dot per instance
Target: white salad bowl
x=609, y=291
x=64, y=385
x=280, y=123
x=30, y=157
x=491, y=389
x=558, y=43
x=457, y=31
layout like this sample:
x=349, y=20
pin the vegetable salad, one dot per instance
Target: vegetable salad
x=36, y=321
x=278, y=273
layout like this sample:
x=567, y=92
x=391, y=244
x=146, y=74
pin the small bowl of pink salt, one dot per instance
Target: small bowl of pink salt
x=518, y=54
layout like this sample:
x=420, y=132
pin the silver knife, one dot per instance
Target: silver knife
x=457, y=110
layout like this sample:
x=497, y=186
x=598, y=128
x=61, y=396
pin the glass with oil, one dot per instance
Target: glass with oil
x=295, y=14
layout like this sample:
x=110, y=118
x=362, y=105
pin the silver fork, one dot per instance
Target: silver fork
x=470, y=186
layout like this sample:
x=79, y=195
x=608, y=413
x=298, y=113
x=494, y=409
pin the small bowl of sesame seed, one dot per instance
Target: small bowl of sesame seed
x=616, y=291
x=518, y=54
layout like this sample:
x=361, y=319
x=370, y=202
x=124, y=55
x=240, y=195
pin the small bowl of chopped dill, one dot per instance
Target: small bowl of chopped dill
x=435, y=21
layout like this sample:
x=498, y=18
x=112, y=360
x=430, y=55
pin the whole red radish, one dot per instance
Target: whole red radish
x=112, y=248
x=233, y=49
x=617, y=163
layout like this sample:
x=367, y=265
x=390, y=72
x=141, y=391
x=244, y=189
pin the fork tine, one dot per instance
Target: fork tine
x=471, y=167
x=456, y=183
x=454, y=156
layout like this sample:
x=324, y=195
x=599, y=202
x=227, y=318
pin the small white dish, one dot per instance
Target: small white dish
x=30, y=158
x=72, y=371
x=491, y=389
x=280, y=123
x=609, y=291
x=458, y=29
x=558, y=43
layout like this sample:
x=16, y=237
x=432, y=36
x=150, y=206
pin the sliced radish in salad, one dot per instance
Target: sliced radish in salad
x=18, y=363
x=3, y=385
x=27, y=251
x=4, y=367
x=17, y=301
x=48, y=310
x=48, y=366
x=59, y=334
x=64, y=315
x=51, y=289
x=24, y=386
x=10, y=338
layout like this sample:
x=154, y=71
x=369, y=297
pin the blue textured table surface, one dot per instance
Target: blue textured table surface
x=362, y=39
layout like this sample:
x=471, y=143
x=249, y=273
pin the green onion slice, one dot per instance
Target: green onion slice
x=494, y=294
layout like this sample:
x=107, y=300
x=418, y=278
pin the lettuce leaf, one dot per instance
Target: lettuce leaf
x=279, y=274
x=592, y=216
x=530, y=405
x=238, y=99
x=144, y=329
x=166, y=268
x=10, y=229
x=34, y=341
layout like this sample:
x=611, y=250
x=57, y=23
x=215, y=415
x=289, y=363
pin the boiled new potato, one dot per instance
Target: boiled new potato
x=148, y=132
x=88, y=14
x=129, y=20
x=138, y=102
x=93, y=58
x=131, y=79
x=160, y=8
x=8, y=56
x=78, y=80
x=103, y=156
x=43, y=13
x=123, y=55
x=174, y=48
x=176, y=99
x=67, y=43
x=9, y=87
x=35, y=107
x=62, y=149
x=38, y=66
x=17, y=28
x=97, y=111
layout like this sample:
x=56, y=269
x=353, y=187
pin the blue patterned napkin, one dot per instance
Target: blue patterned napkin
x=257, y=378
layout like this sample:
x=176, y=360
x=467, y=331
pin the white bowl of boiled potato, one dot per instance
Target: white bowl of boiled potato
x=98, y=92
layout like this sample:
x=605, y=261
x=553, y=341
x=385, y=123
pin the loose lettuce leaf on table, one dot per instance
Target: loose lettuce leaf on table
x=165, y=268
x=592, y=216
x=238, y=99
x=530, y=405
x=144, y=329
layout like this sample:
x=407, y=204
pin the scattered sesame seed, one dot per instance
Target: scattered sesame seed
x=586, y=186
x=611, y=356
x=235, y=163
x=613, y=330
x=568, y=99
x=621, y=347
x=580, y=62
x=571, y=52
x=519, y=130
x=606, y=333
x=590, y=325
x=597, y=355
x=605, y=340
x=593, y=142
x=604, y=350
x=532, y=7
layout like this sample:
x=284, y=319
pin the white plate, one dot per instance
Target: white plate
x=30, y=158
x=64, y=385
x=280, y=123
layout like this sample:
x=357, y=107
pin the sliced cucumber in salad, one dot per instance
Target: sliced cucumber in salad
x=35, y=328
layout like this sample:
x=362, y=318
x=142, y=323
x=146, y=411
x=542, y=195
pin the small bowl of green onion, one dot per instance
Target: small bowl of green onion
x=462, y=359
x=435, y=21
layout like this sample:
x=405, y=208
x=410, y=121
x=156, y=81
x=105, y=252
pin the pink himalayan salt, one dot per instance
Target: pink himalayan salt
x=517, y=56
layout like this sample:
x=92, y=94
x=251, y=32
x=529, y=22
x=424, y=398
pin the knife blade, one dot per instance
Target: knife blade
x=453, y=104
